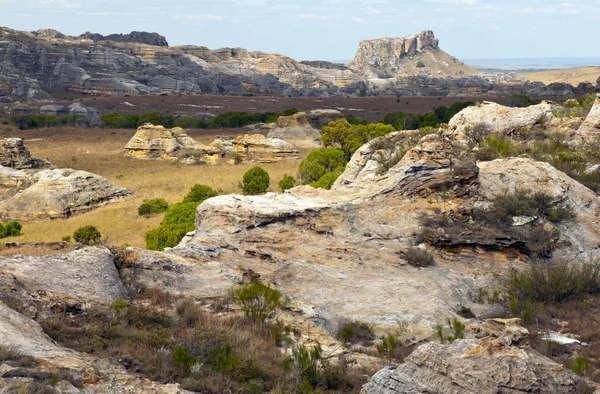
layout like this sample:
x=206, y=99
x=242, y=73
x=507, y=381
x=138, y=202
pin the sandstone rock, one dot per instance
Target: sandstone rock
x=256, y=148
x=589, y=131
x=53, y=193
x=135, y=36
x=88, y=276
x=14, y=154
x=489, y=365
x=493, y=117
x=297, y=130
x=157, y=142
x=87, y=116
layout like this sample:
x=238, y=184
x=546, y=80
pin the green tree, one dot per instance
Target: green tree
x=256, y=181
x=321, y=162
x=153, y=207
x=178, y=221
x=287, y=182
x=351, y=137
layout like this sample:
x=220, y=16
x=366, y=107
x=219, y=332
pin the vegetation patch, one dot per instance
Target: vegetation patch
x=153, y=207
x=87, y=235
x=325, y=162
x=256, y=181
x=408, y=121
x=10, y=229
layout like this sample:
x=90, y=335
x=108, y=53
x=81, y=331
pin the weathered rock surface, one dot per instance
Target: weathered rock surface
x=53, y=193
x=81, y=276
x=504, y=364
x=256, y=148
x=589, y=131
x=497, y=118
x=14, y=154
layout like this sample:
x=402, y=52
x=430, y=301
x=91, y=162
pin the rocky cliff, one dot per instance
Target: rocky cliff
x=37, y=65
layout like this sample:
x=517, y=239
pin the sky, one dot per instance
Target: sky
x=331, y=29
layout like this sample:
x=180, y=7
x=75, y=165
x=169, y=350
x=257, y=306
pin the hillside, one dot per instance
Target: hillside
x=574, y=76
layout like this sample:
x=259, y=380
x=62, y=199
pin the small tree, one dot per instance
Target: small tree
x=87, y=235
x=10, y=229
x=153, y=207
x=287, y=182
x=321, y=162
x=256, y=181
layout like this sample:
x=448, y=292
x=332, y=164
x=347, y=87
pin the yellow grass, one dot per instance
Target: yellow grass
x=101, y=152
x=574, y=76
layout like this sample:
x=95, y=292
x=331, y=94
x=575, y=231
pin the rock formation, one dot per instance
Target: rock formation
x=494, y=364
x=53, y=193
x=158, y=143
x=406, y=56
x=33, y=64
x=256, y=148
x=14, y=154
x=589, y=131
x=491, y=117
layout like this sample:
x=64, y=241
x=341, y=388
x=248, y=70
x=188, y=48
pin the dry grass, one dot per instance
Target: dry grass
x=101, y=152
x=574, y=76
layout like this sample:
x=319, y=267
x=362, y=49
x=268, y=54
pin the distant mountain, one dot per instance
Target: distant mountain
x=520, y=64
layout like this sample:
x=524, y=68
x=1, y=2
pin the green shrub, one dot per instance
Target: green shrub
x=420, y=64
x=308, y=364
x=256, y=181
x=321, y=162
x=287, y=182
x=118, y=121
x=10, y=229
x=182, y=357
x=403, y=121
x=87, y=235
x=521, y=100
x=153, y=207
x=327, y=180
x=257, y=300
x=199, y=193
x=178, y=221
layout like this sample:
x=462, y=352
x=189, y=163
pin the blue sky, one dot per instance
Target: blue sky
x=331, y=29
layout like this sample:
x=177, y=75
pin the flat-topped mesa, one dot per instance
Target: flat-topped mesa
x=405, y=56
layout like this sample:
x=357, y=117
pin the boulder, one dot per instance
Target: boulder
x=322, y=117
x=53, y=193
x=87, y=116
x=14, y=154
x=494, y=364
x=491, y=117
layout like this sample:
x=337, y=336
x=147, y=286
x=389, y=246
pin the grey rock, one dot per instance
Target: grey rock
x=14, y=154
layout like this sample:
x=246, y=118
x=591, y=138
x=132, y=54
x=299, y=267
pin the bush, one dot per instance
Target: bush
x=199, y=193
x=419, y=257
x=178, y=221
x=256, y=181
x=327, y=180
x=287, y=182
x=420, y=65
x=319, y=163
x=402, y=121
x=87, y=235
x=257, y=300
x=10, y=229
x=153, y=207
x=356, y=332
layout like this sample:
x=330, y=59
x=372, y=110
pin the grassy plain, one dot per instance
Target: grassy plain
x=574, y=76
x=101, y=151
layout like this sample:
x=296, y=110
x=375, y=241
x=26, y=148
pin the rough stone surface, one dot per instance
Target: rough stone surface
x=53, y=193
x=589, y=131
x=14, y=154
x=256, y=148
x=87, y=275
x=297, y=130
x=498, y=118
x=487, y=366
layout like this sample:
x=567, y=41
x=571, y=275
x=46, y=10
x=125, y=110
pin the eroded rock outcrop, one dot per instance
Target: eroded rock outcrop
x=158, y=143
x=495, y=364
x=53, y=193
x=14, y=154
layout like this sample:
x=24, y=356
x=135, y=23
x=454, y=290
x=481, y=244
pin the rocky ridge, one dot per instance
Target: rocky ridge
x=34, y=64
